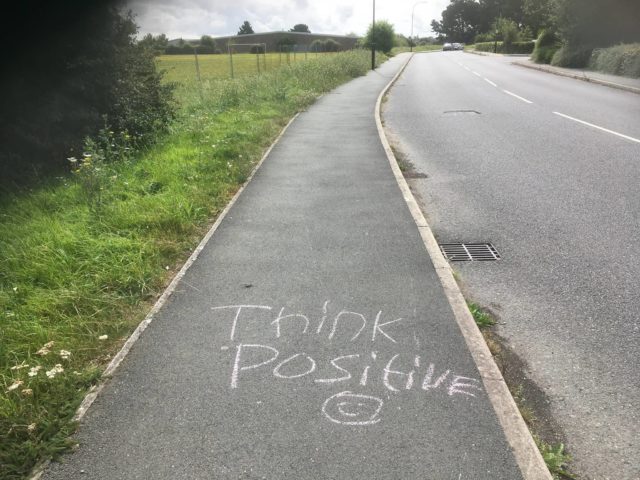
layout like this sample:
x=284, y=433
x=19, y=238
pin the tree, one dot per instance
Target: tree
x=245, y=28
x=538, y=14
x=598, y=23
x=91, y=71
x=207, y=44
x=207, y=41
x=461, y=21
x=381, y=36
x=157, y=44
x=300, y=27
x=507, y=31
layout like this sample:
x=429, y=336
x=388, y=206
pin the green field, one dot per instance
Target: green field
x=181, y=68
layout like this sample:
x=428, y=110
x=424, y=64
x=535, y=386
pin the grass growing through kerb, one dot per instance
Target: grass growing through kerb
x=76, y=278
x=482, y=318
x=513, y=371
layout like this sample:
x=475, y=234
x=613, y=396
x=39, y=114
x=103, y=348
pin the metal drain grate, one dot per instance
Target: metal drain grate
x=469, y=252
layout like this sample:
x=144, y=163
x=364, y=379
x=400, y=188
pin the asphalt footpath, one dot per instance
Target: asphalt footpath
x=311, y=338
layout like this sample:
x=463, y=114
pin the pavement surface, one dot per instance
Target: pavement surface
x=546, y=168
x=616, y=81
x=310, y=339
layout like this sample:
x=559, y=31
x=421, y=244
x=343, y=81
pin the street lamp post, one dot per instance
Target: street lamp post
x=413, y=9
x=373, y=38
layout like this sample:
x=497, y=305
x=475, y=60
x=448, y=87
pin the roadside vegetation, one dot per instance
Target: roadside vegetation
x=598, y=34
x=523, y=390
x=84, y=252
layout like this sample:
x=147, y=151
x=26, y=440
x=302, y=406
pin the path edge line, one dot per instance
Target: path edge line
x=526, y=452
x=93, y=393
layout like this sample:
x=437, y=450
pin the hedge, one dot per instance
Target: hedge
x=622, y=59
x=515, y=47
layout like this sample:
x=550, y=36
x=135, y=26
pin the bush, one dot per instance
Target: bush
x=381, y=35
x=514, y=48
x=484, y=37
x=329, y=45
x=489, y=47
x=90, y=67
x=618, y=60
x=545, y=47
x=571, y=56
x=521, y=47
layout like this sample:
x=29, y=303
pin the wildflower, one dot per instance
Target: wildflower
x=27, y=392
x=15, y=385
x=34, y=370
x=167, y=267
x=19, y=367
x=103, y=337
x=65, y=354
x=54, y=371
x=31, y=427
x=15, y=289
x=73, y=161
x=45, y=350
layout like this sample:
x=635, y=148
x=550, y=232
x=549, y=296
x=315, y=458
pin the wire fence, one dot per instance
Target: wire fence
x=239, y=60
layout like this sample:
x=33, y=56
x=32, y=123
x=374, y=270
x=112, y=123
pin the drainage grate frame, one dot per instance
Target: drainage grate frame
x=469, y=252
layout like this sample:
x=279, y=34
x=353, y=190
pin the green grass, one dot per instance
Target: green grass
x=83, y=274
x=482, y=318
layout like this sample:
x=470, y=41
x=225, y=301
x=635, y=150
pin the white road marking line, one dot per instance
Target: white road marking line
x=490, y=82
x=476, y=74
x=599, y=128
x=517, y=96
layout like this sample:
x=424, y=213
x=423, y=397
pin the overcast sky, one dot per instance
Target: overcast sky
x=194, y=18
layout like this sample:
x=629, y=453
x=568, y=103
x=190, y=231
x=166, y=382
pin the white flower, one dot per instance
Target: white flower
x=103, y=337
x=65, y=354
x=19, y=367
x=34, y=370
x=31, y=427
x=54, y=371
x=45, y=350
x=15, y=385
x=27, y=392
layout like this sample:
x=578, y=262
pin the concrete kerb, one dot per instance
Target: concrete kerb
x=527, y=455
x=122, y=353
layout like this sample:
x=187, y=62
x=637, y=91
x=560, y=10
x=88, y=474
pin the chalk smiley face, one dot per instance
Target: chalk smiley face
x=347, y=408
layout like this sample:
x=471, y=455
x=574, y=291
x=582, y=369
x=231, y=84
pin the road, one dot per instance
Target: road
x=546, y=168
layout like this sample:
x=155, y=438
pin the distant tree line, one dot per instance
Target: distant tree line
x=578, y=26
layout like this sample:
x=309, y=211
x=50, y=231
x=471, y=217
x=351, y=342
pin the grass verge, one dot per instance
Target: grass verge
x=82, y=257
